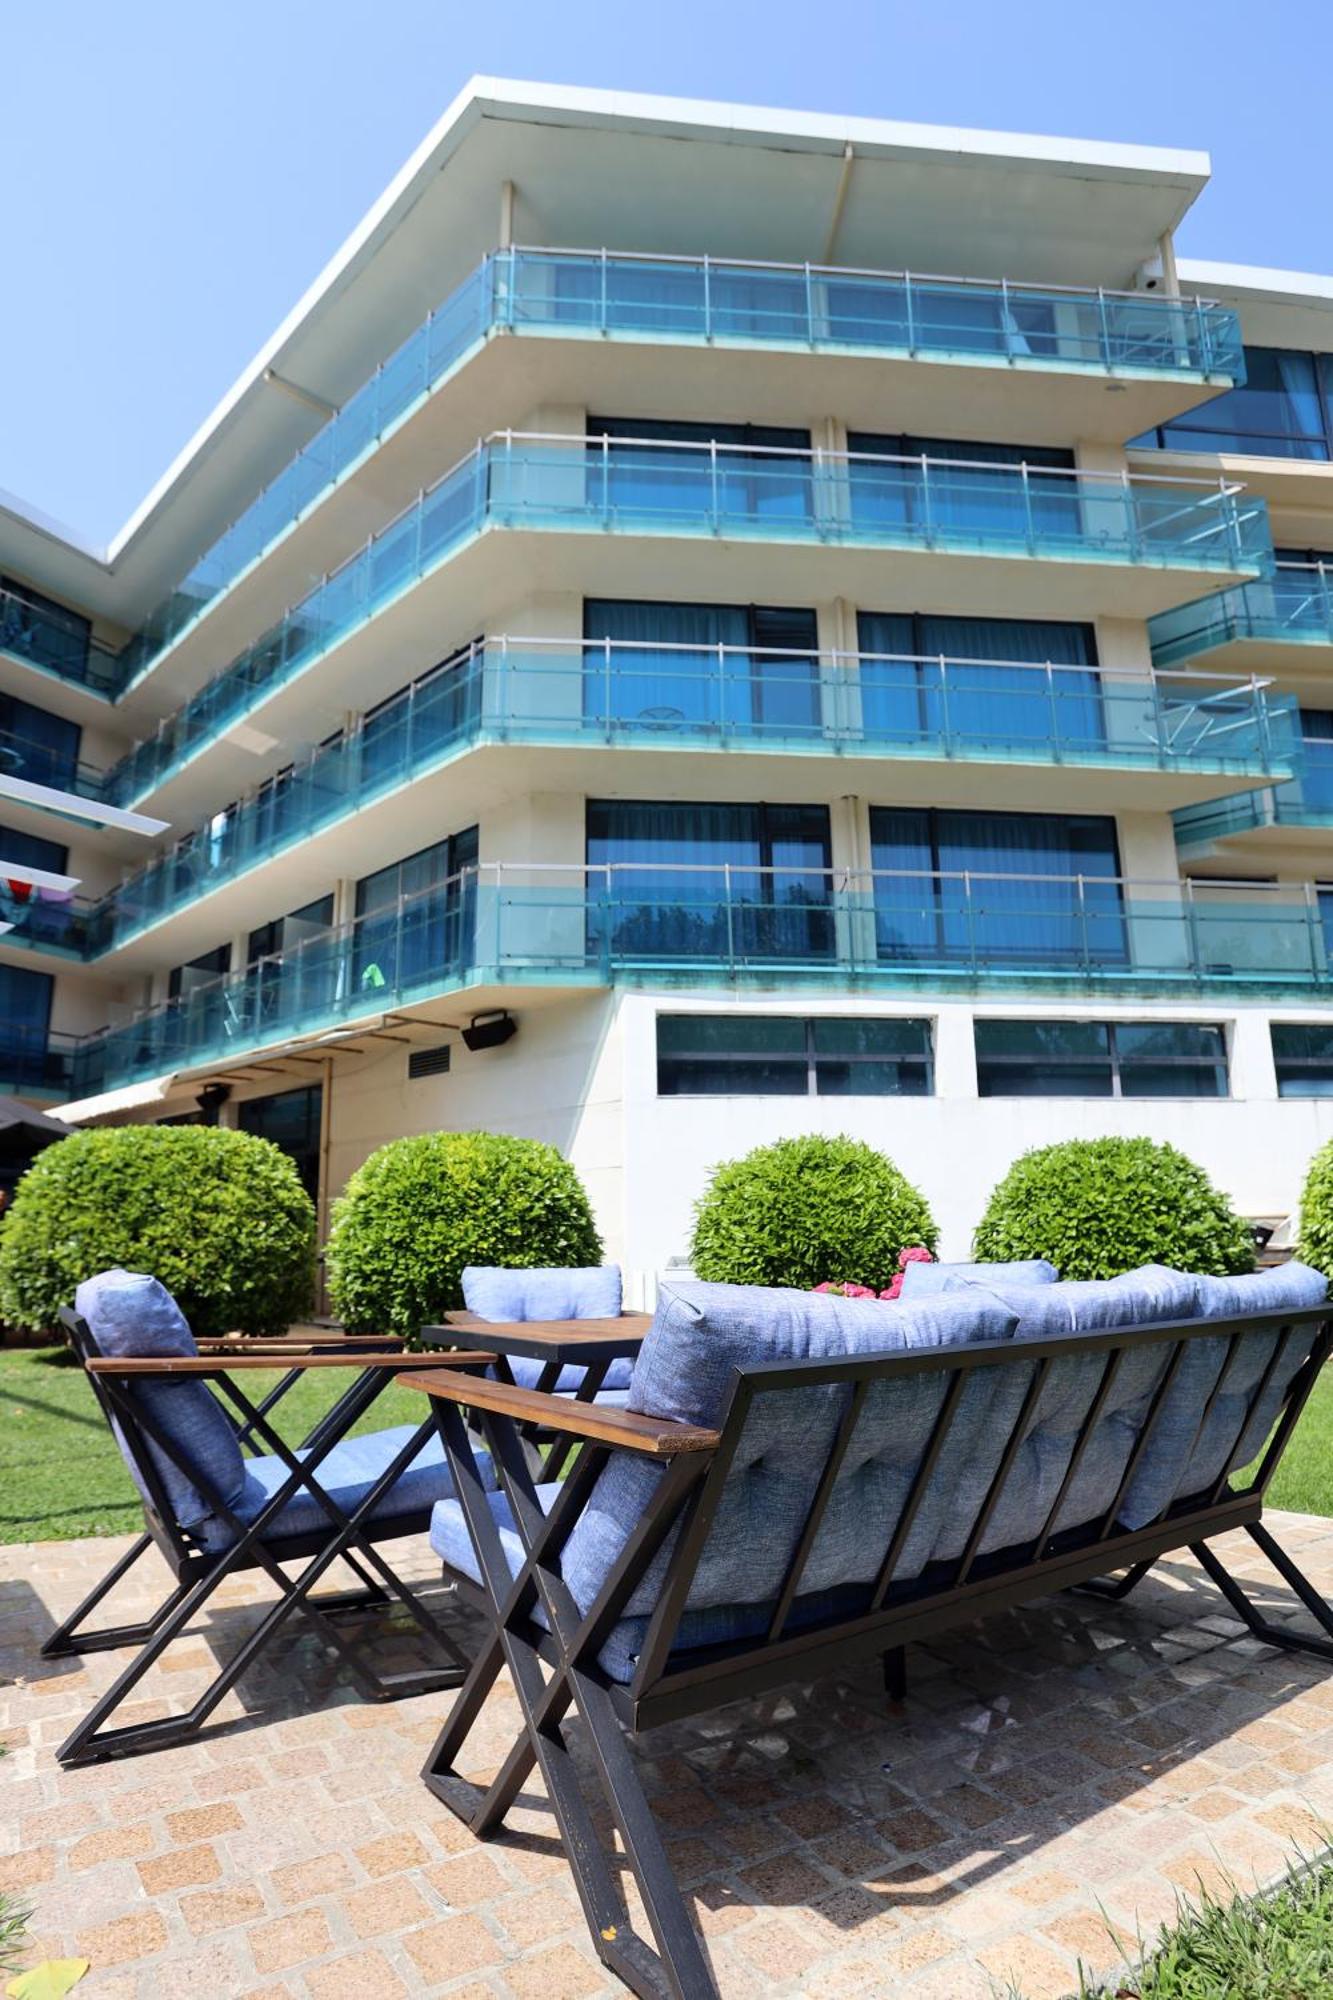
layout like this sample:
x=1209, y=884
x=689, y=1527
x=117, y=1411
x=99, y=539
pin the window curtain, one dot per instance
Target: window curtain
x=1277, y=413
x=1316, y=780
x=666, y=689
x=643, y=478
x=682, y=906
x=971, y=501
x=997, y=921
x=991, y=703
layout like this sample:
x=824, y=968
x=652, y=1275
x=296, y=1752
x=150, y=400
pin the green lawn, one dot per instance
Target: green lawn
x=61, y=1474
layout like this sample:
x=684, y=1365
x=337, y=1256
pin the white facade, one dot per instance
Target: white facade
x=692, y=265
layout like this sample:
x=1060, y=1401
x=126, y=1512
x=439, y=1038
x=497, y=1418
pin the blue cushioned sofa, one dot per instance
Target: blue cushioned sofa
x=798, y=1482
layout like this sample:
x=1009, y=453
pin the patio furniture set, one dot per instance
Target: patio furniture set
x=654, y=1517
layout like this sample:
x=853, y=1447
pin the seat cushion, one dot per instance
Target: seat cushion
x=590, y=1291
x=686, y=1369
x=131, y=1314
x=920, y=1278
x=1237, y=1426
x=347, y=1474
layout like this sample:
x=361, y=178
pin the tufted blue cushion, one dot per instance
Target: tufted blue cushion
x=685, y=1370
x=347, y=1474
x=1152, y=1295
x=1235, y=1431
x=591, y=1291
x=919, y=1278
x=130, y=1314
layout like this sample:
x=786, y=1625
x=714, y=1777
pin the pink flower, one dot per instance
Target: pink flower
x=825, y=1287
x=917, y=1254
x=893, y=1291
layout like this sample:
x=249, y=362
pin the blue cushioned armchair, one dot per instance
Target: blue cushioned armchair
x=182, y=1421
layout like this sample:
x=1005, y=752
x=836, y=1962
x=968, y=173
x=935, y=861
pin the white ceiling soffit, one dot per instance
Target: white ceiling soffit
x=1277, y=308
x=605, y=168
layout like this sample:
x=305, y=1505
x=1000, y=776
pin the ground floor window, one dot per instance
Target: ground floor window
x=291, y=1120
x=1303, y=1059
x=772, y=1055
x=1100, y=1059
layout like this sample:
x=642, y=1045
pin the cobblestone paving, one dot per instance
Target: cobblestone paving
x=1054, y=1779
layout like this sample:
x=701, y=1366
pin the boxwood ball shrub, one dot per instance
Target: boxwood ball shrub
x=220, y=1217
x=1316, y=1225
x=803, y=1211
x=1097, y=1207
x=421, y=1208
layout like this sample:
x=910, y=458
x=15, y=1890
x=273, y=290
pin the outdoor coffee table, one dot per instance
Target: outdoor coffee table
x=590, y=1344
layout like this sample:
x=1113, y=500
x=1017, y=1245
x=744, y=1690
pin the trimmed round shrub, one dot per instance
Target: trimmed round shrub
x=1097, y=1207
x=220, y=1217
x=419, y=1209
x=805, y=1211
x=1316, y=1223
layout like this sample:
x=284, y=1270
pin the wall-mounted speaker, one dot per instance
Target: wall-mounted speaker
x=489, y=1031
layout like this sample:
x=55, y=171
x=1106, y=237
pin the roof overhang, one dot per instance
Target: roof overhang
x=594, y=169
x=1277, y=308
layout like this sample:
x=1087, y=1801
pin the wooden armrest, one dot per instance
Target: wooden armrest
x=659, y=1437
x=227, y=1364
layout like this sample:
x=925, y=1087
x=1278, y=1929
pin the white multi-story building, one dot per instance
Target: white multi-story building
x=634, y=663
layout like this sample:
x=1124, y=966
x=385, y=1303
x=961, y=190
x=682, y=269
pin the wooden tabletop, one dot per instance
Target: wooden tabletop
x=568, y=1341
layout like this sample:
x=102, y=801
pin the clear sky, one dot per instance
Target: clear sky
x=175, y=172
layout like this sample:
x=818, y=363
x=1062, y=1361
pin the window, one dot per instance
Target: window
x=1283, y=410
x=766, y=1055
x=40, y=913
x=25, y=1019
x=1303, y=1058
x=284, y=932
x=1315, y=787
x=708, y=883
x=41, y=748
x=769, y=682
x=907, y=695
x=292, y=1121
x=40, y=629
x=414, y=918
x=646, y=475
x=1100, y=1059
x=977, y=888
x=972, y=500
x=197, y=985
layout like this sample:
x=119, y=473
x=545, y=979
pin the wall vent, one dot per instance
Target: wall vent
x=428, y=1062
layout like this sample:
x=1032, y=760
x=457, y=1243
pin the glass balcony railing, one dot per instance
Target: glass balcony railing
x=612, y=486
x=666, y=696
x=58, y=643
x=34, y=1063
x=1292, y=606
x=47, y=764
x=1305, y=801
x=549, y=925
x=698, y=299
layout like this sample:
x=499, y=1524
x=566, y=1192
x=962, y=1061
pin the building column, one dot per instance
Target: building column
x=1253, y=1072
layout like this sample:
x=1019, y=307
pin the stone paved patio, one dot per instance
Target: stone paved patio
x=1063, y=1768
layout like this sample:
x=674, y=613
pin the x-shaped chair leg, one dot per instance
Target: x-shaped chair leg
x=1245, y=1608
x=67, y=1637
x=677, y=1969
x=91, y=1742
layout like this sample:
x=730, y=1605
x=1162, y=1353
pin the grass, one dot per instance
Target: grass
x=61, y=1474
x=1275, y=1946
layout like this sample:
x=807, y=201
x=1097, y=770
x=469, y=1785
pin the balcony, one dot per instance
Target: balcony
x=1239, y=628
x=1144, y=743
x=502, y=927
x=34, y=1063
x=999, y=539
x=57, y=645
x=1055, y=351
x=1295, y=814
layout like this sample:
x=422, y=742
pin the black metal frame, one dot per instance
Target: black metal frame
x=351, y=1538
x=553, y=1658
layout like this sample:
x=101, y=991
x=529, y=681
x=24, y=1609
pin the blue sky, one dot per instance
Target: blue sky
x=174, y=174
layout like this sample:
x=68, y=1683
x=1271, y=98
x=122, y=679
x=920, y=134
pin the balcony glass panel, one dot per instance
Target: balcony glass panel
x=734, y=920
x=1292, y=606
x=536, y=482
x=46, y=635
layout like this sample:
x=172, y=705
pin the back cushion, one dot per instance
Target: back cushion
x=919, y=1278
x=130, y=1314
x=1236, y=1427
x=1152, y=1295
x=589, y=1292
x=685, y=1370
